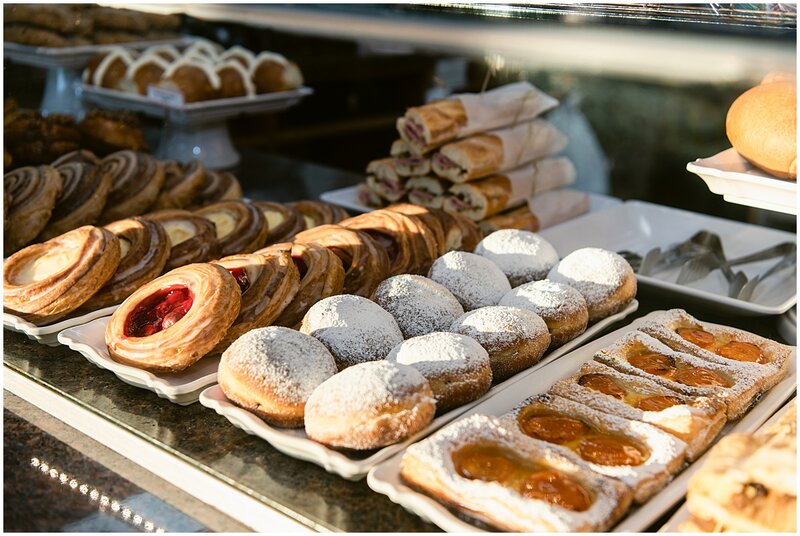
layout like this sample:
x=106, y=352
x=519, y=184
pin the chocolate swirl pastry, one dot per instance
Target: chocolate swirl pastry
x=192, y=238
x=82, y=156
x=241, y=227
x=318, y=213
x=136, y=180
x=83, y=196
x=33, y=192
x=218, y=186
x=105, y=132
x=144, y=249
x=182, y=183
x=284, y=221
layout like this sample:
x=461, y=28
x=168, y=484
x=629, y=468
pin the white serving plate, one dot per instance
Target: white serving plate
x=48, y=335
x=181, y=387
x=740, y=182
x=73, y=57
x=385, y=478
x=639, y=226
x=296, y=444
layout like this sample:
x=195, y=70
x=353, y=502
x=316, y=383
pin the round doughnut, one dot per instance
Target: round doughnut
x=561, y=307
x=475, y=281
x=456, y=366
x=418, y=304
x=369, y=405
x=354, y=329
x=515, y=338
x=605, y=280
x=521, y=255
x=272, y=371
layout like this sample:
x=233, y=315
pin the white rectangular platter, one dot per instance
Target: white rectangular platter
x=385, y=478
x=738, y=181
x=181, y=387
x=639, y=226
x=48, y=335
x=295, y=443
x=74, y=57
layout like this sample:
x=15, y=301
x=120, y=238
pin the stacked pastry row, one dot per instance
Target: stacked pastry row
x=616, y=431
x=202, y=71
x=69, y=25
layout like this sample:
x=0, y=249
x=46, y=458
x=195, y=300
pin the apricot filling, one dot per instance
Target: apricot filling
x=559, y=489
x=240, y=274
x=657, y=403
x=697, y=336
x=736, y=350
x=652, y=363
x=700, y=377
x=667, y=368
x=554, y=428
x=603, y=383
x=608, y=386
x=609, y=450
x=159, y=311
x=487, y=463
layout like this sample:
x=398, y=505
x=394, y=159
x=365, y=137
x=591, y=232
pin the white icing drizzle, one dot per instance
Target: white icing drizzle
x=203, y=47
x=551, y=300
x=474, y=280
x=267, y=56
x=497, y=327
x=249, y=87
x=418, y=304
x=441, y=353
x=144, y=60
x=523, y=256
x=158, y=49
x=113, y=54
x=207, y=68
x=238, y=51
x=596, y=273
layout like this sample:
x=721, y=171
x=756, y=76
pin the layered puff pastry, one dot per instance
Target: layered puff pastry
x=32, y=194
x=694, y=420
x=241, y=227
x=182, y=183
x=283, y=221
x=640, y=354
x=136, y=180
x=45, y=282
x=192, y=238
x=512, y=482
x=315, y=213
x=639, y=455
x=218, y=186
x=171, y=322
x=721, y=344
x=427, y=218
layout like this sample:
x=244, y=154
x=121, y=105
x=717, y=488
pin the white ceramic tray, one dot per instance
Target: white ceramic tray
x=638, y=226
x=47, y=335
x=73, y=57
x=181, y=388
x=738, y=181
x=385, y=478
x=295, y=443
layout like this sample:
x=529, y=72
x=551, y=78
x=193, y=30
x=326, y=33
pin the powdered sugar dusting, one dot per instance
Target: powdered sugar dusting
x=596, y=273
x=499, y=326
x=418, y=304
x=441, y=353
x=474, y=280
x=522, y=255
x=548, y=299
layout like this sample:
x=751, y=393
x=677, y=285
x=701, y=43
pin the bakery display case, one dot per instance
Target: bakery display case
x=400, y=268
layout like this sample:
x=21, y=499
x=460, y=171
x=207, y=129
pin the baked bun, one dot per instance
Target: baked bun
x=475, y=281
x=521, y=255
x=456, y=366
x=762, y=127
x=370, y=405
x=272, y=371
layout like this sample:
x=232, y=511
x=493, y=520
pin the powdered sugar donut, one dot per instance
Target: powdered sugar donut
x=272, y=372
x=418, y=304
x=515, y=338
x=354, y=329
x=370, y=405
x=605, y=280
x=475, y=281
x=456, y=366
x=521, y=255
x=561, y=307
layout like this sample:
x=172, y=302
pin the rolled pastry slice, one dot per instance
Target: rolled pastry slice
x=694, y=420
x=45, y=282
x=510, y=481
x=408, y=165
x=321, y=275
x=146, y=71
x=192, y=238
x=474, y=280
x=182, y=183
x=272, y=72
x=83, y=196
x=425, y=217
x=268, y=285
x=518, y=218
x=136, y=180
x=521, y=255
x=368, y=197
x=426, y=191
x=724, y=345
x=399, y=148
x=364, y=262
x=283, y=221
x=194, y=79
x=33, y=192
x=218, y=186
x=383, y=179
x=557, y=206
x=171, y=322
x=318, y=213
x=144, y=251
x=638, y=454
x=640, y=354
x=81, y=156
x=241, y=227
x=234, y=80
x=480, y=199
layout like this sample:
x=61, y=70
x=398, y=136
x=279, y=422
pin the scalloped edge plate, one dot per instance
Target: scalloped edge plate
x=48, y=335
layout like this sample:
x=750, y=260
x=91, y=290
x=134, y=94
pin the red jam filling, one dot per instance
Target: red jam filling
x=159, y=311
x=301, y=265
x=240, y=274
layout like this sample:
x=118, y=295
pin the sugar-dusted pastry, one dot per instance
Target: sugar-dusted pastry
x=353, y=328
x=45, y=282
x=604, y=278
x=694, y=420
x=182, y=183
x=321, y=276
x=318, y=213
x=32, y=195
x=194, y=79
x=283, y=221
x=268, y=285
x=136, y=180
x=521, y=255
x=272, y=371
x=640, y=455
x=724, y=345
x=456, y=366
x=234, y=80
x=192, y=238
x=82, y=198
x=144, y=251
x=638, y=353
x=218, y=186
x=241, y=227
x=474, y=280
x=171, y=322
x=561, y=307
x=418, y=304
x=272, y=72
x=515, y=338
x=510, y=481
x=369, y=405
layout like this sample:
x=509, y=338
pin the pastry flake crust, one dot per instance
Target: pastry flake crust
x=192, y=238
x=136, y=180
x=241, y=227
x=32, y=194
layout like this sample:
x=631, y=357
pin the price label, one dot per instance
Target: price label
x=167, y=96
